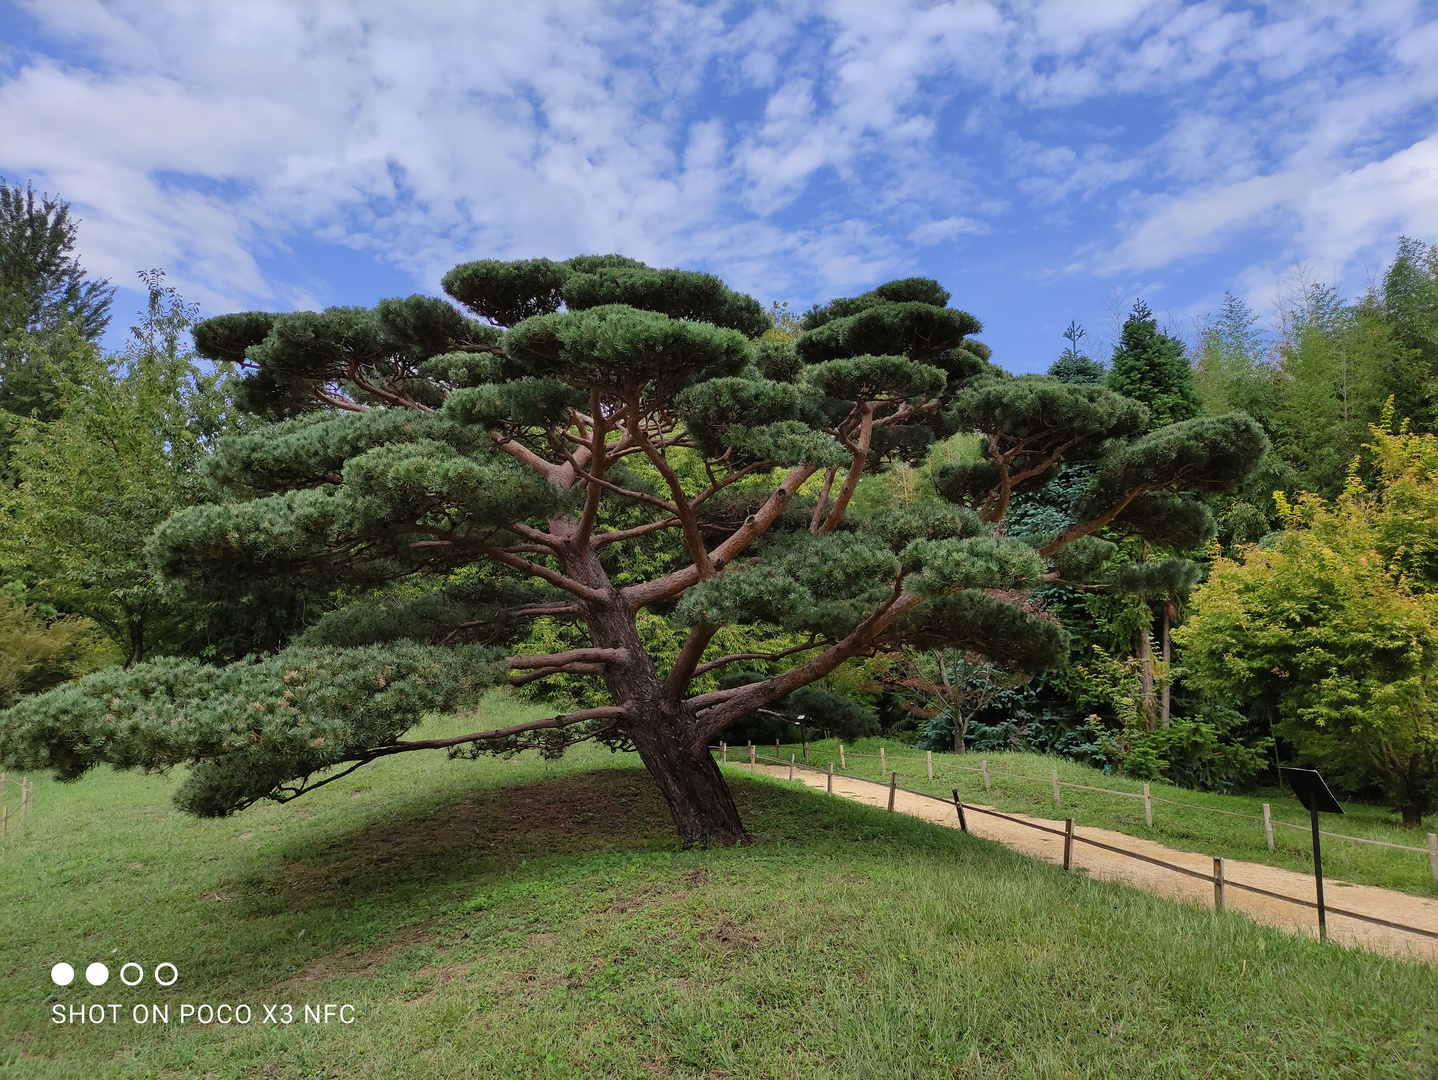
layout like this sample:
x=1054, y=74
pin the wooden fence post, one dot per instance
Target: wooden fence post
x=883, y=768
x=843, y=764
x=1068, y=843
x=831, y=778
x=24, y=798
x=893, y=784
x=776, y=748
x=791, y=766
x=959, y=806
x=1147, y=807
x=752, y=761
x=1057, y=803
x=1268, y=832
x=929, y=757
x=1433, y=854
x=1217, y=883
x=985, y=763
x=724, y=752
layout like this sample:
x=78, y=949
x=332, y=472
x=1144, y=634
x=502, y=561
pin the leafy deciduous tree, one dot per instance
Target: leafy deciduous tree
x=37, y=653
x=1332, y=632
x=122, y=452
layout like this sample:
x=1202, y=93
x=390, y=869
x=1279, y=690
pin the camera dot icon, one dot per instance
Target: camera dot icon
x=97, y=974
x=62, y=974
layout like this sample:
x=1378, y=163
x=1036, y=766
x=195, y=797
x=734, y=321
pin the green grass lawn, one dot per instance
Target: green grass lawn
x=1176, y=826
x=529, y=919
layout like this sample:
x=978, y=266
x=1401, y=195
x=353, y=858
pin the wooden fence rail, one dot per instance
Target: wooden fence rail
x=1267, y=820
x=1071, y=836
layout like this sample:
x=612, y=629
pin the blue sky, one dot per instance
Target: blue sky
x=1041, y=160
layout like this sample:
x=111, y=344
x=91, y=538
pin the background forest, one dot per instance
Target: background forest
x=1305, y=629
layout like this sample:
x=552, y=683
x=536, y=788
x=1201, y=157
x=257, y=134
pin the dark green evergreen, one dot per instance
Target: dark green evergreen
x=1153, y=368
x=468, y=476
x=42, y=285
x=1075, y=367
x=45, y=296
x=50, y=310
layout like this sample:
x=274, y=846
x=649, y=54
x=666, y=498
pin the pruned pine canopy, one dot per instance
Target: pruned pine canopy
x=534, y=458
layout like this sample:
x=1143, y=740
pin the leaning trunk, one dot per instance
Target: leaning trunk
x=688, y=778
x=1167, y=660
x=1145, y=674
x=955, y=692
x=699, y=800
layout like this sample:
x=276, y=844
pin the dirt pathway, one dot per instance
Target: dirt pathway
x=1364, y=899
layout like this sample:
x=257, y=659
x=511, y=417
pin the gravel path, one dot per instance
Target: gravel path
x=1365, y=899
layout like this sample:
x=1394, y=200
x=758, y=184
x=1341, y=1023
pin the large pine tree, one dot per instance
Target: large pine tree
x=515, y=465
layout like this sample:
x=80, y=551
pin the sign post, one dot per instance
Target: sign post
x=1313, y=793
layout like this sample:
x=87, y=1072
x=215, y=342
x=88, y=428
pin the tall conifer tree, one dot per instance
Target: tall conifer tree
x=1150, y=366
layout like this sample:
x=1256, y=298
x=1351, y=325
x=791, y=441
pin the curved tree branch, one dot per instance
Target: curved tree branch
x=607, y=712
x=856, y=470
x=710, y=665
x=715, y=713
x=672, y=585
x=402, y=747
x=693, y=541
x=597, y=467
x=683, y=673
x=557, y=669
x=554, y=577
x=1081, y=529
x=617, y=535
x=595, y=656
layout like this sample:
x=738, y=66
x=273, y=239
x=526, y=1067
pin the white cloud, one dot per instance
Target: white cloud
x=796, y=148
x=1345, y=217
x=936, y=232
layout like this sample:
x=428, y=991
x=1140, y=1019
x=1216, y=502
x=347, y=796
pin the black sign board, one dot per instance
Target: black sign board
x=1312, y=792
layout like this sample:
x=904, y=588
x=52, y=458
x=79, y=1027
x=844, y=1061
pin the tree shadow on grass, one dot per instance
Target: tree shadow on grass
x=489, y=830
x=368, y=893
x=495, y=830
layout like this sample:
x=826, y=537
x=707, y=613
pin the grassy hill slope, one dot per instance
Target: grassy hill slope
x=528, y=919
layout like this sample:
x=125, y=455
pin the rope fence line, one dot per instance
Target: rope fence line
x=1267, y=821
x=1070, y=836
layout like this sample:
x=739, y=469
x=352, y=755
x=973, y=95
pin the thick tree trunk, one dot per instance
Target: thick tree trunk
x=1412, y=816
x=699, y=800
x=664, y=734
